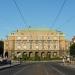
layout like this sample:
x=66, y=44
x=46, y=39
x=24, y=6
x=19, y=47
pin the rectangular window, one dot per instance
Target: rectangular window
x=30, y=46
x=55, y=47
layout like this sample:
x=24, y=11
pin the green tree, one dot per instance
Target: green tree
x=24, y=57
x=72, y=50
x=1, y=48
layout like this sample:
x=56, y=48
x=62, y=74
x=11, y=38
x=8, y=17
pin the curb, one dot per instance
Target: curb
x=8, y=66
x=69, y=65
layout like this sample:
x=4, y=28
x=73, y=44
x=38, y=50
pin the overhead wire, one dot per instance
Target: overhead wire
x=19, y=10
x=67, y=21
x=58, y=14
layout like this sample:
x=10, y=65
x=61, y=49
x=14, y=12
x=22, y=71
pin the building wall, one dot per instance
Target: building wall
x=36, y=41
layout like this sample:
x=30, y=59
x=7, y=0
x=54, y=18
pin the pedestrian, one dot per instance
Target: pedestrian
x=68, y=60
x=63, y=61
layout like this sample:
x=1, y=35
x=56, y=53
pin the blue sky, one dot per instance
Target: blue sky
x=37, y=13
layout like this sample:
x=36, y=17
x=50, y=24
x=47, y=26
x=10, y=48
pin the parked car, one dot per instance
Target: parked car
x=4, y=61
x=1, y=60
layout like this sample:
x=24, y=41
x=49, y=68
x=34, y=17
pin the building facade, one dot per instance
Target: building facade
x=43, y=42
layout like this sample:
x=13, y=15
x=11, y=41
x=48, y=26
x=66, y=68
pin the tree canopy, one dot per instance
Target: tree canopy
x=1, y=48
x=72, y=50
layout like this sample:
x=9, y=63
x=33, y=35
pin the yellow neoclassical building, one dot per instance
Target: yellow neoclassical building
x=36, y=41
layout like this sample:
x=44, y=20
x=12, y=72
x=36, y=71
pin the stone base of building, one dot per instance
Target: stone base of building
x=37, y=53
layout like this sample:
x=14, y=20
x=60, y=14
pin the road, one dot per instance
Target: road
x=39, y=68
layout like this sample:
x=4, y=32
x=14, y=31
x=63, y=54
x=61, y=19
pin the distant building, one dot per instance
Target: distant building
x=43, y=42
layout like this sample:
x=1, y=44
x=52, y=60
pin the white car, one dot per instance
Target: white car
x=1, y=59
